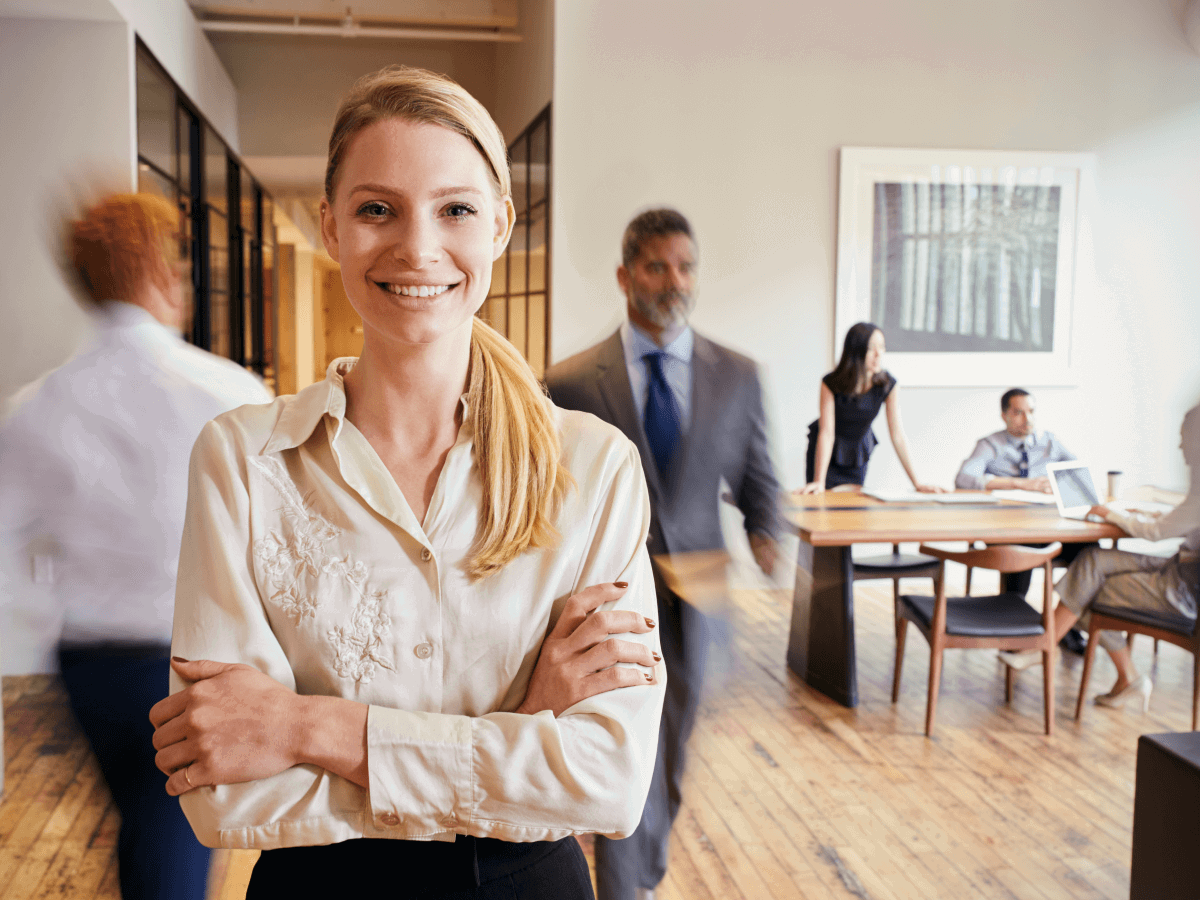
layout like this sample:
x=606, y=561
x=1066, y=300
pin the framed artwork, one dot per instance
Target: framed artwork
x=965, y=258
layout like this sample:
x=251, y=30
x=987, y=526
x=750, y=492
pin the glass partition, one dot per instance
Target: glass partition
x=518, y=304
x=226, y=227
x=156, y=131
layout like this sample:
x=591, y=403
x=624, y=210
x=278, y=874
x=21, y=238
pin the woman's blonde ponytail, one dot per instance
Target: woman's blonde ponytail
x=518, y=454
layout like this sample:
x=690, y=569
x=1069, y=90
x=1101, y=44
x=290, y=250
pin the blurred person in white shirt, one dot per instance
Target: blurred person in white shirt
x=93, y=487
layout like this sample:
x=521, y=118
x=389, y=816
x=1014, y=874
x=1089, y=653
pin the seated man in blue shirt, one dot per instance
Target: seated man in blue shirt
x=1017, y=458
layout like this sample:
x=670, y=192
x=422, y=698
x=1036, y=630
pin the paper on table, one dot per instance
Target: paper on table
x=969, y=497
x=895, y=496
x=918, y=497
x=1025, y=496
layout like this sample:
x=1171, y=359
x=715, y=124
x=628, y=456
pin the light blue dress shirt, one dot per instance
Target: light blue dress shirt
x=677, y=367
x=999, y=455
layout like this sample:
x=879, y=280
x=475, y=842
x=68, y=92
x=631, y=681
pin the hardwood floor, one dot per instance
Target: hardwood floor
x=788, y=794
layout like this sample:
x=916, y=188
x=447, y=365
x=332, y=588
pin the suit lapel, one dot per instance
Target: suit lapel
x=612, y=378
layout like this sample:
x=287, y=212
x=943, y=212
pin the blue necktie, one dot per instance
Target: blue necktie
x=662, y=416
x=1024, y=467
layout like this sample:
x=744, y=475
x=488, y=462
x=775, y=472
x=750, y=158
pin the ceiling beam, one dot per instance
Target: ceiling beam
x=439, y=13
x=352, y=29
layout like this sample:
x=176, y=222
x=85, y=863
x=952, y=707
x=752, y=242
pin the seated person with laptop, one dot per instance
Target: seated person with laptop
x=1117, y=578
x=1016, y=458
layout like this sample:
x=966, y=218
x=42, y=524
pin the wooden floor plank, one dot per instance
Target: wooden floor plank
x=788, y=794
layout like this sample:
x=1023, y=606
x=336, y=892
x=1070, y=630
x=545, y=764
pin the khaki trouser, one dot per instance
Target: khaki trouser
x=1122, y=580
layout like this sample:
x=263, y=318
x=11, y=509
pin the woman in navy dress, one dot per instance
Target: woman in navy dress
x=841, y=440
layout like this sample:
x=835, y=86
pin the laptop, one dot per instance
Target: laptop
x=1074, y=491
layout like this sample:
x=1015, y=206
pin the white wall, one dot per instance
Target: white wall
x=170, y=31
x=61, y=123
x=70, y=123
x=735, y=117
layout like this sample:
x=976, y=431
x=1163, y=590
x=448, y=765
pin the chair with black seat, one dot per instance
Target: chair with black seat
x=1000, y=622
x=896, y=566
x=1174, y=629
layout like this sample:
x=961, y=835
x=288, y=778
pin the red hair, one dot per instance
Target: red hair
x=122, y=241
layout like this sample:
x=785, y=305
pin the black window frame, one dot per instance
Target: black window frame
x=191, y=150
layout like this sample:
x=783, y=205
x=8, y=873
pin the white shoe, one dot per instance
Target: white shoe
x=1114, y=699
x=1020, y=659
x=644, y=893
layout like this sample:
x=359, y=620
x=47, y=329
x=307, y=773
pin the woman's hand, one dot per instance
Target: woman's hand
x=233, y=724
x=813, y=487
x=929, y=489
x=579, y=659
x=1100, y=511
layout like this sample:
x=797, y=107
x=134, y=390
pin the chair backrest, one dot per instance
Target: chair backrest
x=1000, y=557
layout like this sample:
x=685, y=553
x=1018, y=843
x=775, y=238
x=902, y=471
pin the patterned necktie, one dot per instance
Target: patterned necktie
x=662, y=416
x=1024, y=460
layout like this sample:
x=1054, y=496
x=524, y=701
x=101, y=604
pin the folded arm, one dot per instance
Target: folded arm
x=323, y=769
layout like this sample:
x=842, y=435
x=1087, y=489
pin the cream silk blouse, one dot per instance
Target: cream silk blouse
x=302, y=558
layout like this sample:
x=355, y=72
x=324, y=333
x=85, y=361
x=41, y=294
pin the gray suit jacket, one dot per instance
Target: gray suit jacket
x=727, y=438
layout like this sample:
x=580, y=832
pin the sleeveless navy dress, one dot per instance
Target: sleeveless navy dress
x=853, y=439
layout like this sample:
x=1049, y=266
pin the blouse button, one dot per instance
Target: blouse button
x=423, y=650
x=451, y=821
x=426, y=556
x=391, y=820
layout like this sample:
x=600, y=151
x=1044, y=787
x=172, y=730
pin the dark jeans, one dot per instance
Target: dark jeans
x=1018, y=582
x=111, y=691
x=468, y=869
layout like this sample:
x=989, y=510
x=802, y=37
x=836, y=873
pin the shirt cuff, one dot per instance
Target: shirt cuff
x=421, y=768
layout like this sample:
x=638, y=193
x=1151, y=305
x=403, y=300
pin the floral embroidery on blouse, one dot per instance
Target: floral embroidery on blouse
x=286, y=559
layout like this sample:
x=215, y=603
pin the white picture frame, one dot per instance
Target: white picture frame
x=970, y=266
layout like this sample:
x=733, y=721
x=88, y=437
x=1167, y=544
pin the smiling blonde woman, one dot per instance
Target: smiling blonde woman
x=383, y=585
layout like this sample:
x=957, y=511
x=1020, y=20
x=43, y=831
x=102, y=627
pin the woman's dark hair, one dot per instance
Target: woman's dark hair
x=848, y=375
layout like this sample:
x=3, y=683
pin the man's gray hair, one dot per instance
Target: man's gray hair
x=650, y=224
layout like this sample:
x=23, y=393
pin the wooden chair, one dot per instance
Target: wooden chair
x=1001, y=622
x=896, y=566
x=971, y=568
x=1178, y=630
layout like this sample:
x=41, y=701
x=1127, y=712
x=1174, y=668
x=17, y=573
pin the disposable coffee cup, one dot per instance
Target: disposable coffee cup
x=1114, y=484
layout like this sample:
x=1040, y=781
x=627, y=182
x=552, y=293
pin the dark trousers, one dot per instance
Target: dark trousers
x=640, y=860
x=111, y=691
x=1018, y=582
x=467, y=869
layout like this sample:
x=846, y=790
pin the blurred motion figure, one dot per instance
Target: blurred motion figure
x=694, y=409
x=93, y=481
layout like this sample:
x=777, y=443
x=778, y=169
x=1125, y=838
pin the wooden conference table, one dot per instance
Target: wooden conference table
x=821, y=645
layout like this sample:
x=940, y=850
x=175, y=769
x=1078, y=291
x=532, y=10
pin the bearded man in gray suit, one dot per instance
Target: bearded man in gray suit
x=694, y=409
